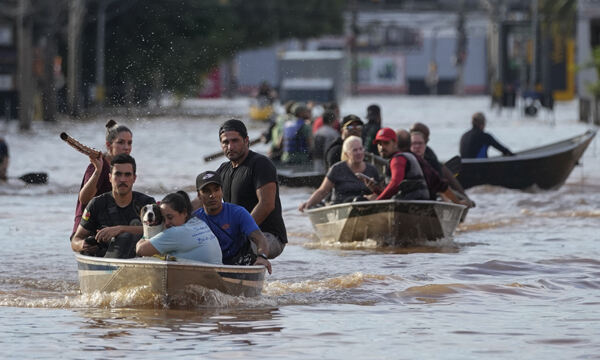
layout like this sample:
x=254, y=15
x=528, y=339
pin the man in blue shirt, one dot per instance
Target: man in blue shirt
x=240, y=238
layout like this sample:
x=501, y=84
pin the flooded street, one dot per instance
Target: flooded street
x=520, y=278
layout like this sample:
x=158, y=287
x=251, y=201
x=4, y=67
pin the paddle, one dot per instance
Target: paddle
x=79, y=146
x=34, y=178
x=217, y=155
x=454, y=165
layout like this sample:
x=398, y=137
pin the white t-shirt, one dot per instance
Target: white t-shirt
x=192, y=240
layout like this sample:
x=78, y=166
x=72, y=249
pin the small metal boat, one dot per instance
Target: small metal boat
x=169, y=278
x=298, y=175
x=389, y=222
x=546, y=167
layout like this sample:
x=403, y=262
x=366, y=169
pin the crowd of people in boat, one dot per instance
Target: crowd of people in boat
x=338, y=147
x=236, y=217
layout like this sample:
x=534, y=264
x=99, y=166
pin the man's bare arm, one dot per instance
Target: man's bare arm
x=266, y=202
x=262, y=247
x=78, y=243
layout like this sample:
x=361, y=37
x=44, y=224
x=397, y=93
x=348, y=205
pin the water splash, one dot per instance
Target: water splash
x=277, y=288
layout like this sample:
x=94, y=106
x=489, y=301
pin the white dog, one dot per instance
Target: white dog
x=152, y=220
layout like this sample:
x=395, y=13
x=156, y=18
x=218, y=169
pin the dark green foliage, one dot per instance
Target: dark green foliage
x=181, y=40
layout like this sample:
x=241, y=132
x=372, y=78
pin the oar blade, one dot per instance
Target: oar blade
x=35, y=178
x=454, y=165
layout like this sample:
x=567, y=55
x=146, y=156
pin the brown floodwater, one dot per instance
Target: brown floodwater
x=519, y=279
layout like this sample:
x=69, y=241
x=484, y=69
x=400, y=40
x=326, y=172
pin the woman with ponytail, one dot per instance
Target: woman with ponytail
x=95, y=180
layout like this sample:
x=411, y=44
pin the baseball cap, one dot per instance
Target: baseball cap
x=206, y=178
x=385, y=134
x=349, y=119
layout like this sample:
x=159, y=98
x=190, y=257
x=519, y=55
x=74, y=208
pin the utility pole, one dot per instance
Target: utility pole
x=534, y=45
x=461, y=50
x=76, y=13
x=50, y=50
x=353, y=53
x=25, y=63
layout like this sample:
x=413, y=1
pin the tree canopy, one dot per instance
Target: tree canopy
x=179, y=40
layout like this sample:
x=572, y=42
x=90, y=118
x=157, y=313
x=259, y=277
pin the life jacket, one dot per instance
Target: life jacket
x=414, y=186
x=293, y=139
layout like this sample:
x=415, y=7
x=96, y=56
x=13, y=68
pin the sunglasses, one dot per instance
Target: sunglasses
x=352, y=127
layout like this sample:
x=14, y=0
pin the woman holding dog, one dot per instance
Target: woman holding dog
x=95, y=180
x=185, y=236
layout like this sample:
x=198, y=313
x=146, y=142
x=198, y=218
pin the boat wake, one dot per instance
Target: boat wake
x=443, y=245
x=355, y=280
x=486, y=225
x=437, y=293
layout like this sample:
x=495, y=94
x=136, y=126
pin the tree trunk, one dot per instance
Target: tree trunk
x=76, y=13
x=595, y=111
x=25, y=74
x=48, y=86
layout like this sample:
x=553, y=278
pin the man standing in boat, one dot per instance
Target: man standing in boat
x=351, y=125
x=250, y=180
x=110, y=223
x=242, y=242
x=403, y=174
x=475, y=142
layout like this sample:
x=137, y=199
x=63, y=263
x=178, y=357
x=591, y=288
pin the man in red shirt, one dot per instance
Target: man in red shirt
x=404, y=176
x=332, y=106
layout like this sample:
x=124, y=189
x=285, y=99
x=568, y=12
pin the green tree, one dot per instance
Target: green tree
x=179, y=41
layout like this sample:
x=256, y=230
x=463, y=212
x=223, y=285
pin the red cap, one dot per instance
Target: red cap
x=385, y=134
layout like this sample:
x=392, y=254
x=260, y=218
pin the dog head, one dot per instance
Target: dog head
x=152, y=220
x=150, y=215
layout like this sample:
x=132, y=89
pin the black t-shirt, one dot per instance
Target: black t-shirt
x=333, y=154
x=346, y=185
x=369, y=132
x=240, y=185
x=474, y=144
x=103, y=211
x=432, y=159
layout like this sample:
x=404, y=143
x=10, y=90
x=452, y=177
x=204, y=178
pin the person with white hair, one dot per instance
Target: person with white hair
x=343, y=177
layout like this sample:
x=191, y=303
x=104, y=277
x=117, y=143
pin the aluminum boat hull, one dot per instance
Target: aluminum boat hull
x=389, y=222
x=169, y=278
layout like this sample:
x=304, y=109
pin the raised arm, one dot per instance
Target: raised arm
x=88, y=190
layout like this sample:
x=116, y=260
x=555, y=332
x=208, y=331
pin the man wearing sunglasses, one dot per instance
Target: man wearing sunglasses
x=351, y=125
